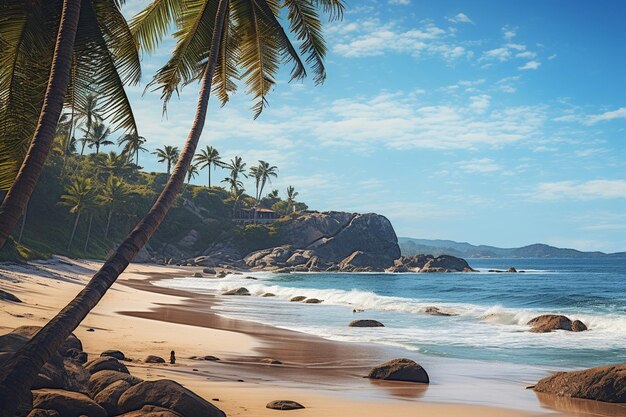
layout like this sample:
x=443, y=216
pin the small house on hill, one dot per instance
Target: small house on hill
x=247, y=215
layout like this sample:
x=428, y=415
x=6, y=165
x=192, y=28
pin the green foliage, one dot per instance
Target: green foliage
x=252, y=237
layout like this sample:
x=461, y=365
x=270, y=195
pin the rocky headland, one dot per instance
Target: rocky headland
x=311, y=242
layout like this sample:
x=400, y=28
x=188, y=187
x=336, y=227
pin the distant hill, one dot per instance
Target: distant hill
x=410, y=246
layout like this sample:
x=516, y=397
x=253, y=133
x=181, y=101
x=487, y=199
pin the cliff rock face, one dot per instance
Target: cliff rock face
x=331, y=241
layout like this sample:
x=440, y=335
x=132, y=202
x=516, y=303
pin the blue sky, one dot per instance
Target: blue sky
x=493, y=122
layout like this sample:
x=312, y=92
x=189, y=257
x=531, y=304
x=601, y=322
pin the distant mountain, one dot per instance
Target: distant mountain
x=410, y=247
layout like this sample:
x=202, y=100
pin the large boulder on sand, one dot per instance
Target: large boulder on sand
x=67, y=403
x=152, y=411
x=109, y=396
x=101, y=380
x=400, y=370
x=114, y=354
x=604, y=383
x=154, y=359
x=284, y=405
x=549, y=322
x=105, y=363
x=167, y=394
x=365, y=323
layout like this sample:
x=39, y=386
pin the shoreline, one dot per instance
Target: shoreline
x=324, y=375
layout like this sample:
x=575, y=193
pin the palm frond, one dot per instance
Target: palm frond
x=226, y=71
x=151, y=24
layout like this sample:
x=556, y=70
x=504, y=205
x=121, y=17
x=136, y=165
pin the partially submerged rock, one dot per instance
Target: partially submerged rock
x=400, y=370
x=603, y=383
x=365, y=323
x=312, y=301
x=167, y=394
x=237, y=291
x=436, y=311
x=269, y=294
x=297, y=298
x=284, y=405
x=549, y=322
x=67, y=403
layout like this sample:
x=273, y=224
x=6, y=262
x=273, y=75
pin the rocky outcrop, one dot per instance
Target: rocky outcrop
x=105, y=363
x=400, y=370
x=331, y=240
x=429, y=263
x=550, y=322
x=604, y=383
x=67, y=403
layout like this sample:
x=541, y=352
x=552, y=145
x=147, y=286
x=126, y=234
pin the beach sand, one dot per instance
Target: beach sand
x=141, y=319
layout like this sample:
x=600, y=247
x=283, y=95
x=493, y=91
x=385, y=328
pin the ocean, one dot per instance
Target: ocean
x=492, y=309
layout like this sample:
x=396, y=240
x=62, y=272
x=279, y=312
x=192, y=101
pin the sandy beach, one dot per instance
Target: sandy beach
x=142, y=319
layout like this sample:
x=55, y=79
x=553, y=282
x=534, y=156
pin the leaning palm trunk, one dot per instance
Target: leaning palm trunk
x=69, y=245
x=88, y=233
x=19, y=372
x=26, y=180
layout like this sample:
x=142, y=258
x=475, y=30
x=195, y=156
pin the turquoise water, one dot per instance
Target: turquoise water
x=492, y=309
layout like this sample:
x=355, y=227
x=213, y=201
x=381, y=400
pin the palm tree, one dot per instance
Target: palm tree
x=113, y=163
x=256, y=173
x=98, y=136
x=266, y=172
x=133, y=144
x=291, y=199
x=234, y=184
x=237, y=167
x=168, y=154
x=55, y=53
x=192, y=172
x=112, y=198
x=77, y=197
x=89, y=114
x=213, y=41
x=209, y=157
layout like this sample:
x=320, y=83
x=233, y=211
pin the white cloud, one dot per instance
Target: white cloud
x=580, y=190
x=526, y=55
x=370, y=37
x=483, y=165
x=480, y=103
x=609, y=115
x=508, y=33
x=401, y=2
x=499, y=54
x=530, y=65
x=461, y=18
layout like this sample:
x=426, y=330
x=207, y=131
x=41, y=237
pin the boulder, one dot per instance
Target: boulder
x=101, y=380
x=284, y=405
x=113, y=354
x=365, y=323
x=67, y=403
x=400, y=370
x=105, y=363
x=40, y=412
x=269, y=294
x=270, y=361
x=209, y=271
x=604, y=383
x=7, y=296
x=512, y=270
x=578, y=326
x=237, y=291
x=77, y=355
x=297, y=298
x=108, y=397
x=198, y=275
x=312, y=301
x=152, y=411
x=549, y=322
x=154, y=359
x=76, y=376
x=167, y=394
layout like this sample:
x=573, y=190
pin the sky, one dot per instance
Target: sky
x=491, y=122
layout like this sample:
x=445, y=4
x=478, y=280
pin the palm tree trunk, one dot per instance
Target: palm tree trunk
x=32, y=166
x=69, y=245
x=88, y=232
x=106, y=231
x=209, y=175
x=18, y=373
x=19, y=239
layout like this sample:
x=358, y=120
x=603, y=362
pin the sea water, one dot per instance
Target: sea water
x=491, y=309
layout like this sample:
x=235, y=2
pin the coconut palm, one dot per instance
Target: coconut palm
x=113, y=164
x=168, y=154
x=133, y=144
x=237, y=168
x=215, y=38
x=291, y=199
x=98, y=136
x=234, y=184
x=192, y=172
x=256, y=173
x=54, y=53
x=266, y=172
x=209, y=157
x=89, y=115
x=112, y=197
x=78, y=196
